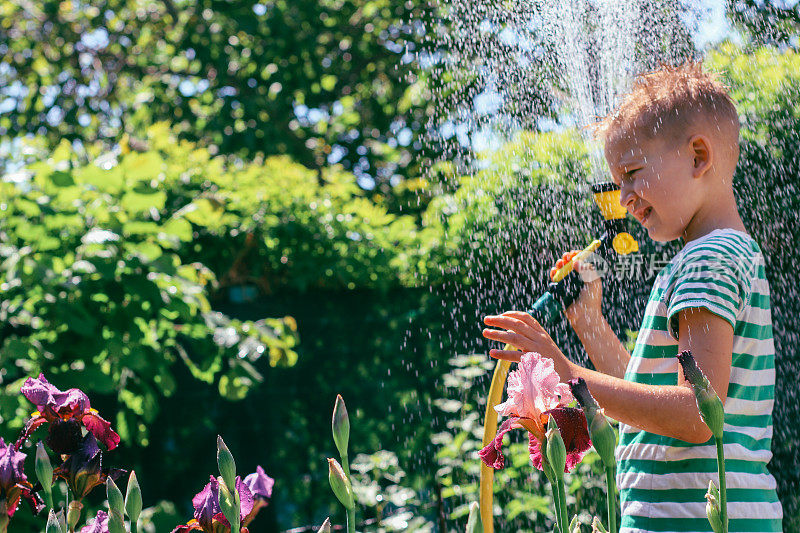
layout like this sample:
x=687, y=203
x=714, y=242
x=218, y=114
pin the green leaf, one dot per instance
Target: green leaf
x=203, y=212
x=234, y=387
x=138, y=202
x=141, y=167
x=60, y=178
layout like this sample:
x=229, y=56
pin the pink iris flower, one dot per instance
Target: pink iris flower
x=57, y=407
x=535, y=392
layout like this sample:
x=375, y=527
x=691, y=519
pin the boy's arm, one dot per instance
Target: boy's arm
x=585, y=315
x=665, y=410
x=604, y=348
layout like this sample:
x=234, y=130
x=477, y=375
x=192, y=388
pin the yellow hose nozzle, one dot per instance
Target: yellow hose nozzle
x=624, y=243
x=607, y=196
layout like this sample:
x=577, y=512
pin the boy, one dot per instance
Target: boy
x=672, y=147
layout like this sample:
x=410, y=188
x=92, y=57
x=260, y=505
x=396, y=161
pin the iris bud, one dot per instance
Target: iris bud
x=44, y=472
x=225, y=462
x=133, y=498
x=474, y=524
x=709, y=404
x=341, y=426
x=712, y=508
x=604, y=439
x=116, y=504
x=597, y=526
x=326, y=526
x=116, y=508
x=340, y=484
x=53, y=525
x=556, y=450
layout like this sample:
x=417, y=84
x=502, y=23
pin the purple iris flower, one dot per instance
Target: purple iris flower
x=11, y=462
x=260, y=484
x=98, y=524
x=207, y=511
x=56, y=406
x=14, y=485
x=83, y=470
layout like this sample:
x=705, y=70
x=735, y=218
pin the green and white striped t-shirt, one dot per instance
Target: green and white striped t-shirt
x=663, y=480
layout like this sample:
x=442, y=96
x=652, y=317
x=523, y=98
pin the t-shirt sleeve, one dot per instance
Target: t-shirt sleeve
x=709, y=280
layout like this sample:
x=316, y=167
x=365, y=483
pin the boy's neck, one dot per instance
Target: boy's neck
x=720, y=213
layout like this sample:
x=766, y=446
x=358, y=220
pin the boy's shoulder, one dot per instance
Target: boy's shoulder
x=726, y=241
x=719, y=271
x=722, y=251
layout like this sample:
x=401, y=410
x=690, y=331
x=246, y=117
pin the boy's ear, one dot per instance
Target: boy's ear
x=702, y=154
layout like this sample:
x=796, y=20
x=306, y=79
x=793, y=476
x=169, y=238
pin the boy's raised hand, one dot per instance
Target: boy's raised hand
x=521, y=331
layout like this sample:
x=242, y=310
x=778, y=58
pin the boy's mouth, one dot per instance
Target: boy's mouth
x=643, y=214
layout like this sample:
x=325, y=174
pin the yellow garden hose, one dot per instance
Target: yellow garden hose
x=486, y=496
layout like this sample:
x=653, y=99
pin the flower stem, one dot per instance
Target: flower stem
x=723, y=491
x=557, y=504
x=48, y=499
x=611, y=487
x=236, y=522
x=351, y=513
x=563, y=525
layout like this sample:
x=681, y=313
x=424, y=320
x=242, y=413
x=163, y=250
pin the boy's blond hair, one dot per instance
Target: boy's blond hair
x=666, y=102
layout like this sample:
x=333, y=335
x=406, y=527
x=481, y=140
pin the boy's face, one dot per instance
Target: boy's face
x=657, y=183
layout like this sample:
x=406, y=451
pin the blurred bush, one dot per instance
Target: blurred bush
x=97, y=295
x=108, y=266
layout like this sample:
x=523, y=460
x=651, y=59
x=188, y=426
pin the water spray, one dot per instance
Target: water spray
x=561, y=293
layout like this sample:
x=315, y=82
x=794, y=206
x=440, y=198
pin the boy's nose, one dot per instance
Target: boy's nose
x=626, y=197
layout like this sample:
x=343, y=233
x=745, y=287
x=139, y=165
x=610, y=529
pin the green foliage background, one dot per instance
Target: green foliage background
x=177, y=242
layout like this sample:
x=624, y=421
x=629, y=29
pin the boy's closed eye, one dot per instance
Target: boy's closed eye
x=628, y=174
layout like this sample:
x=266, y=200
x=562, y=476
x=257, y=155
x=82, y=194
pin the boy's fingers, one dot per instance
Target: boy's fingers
x=512, y=322
x=566, y=258
x=507, y=337
x=507, y=355
x=527, y=319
